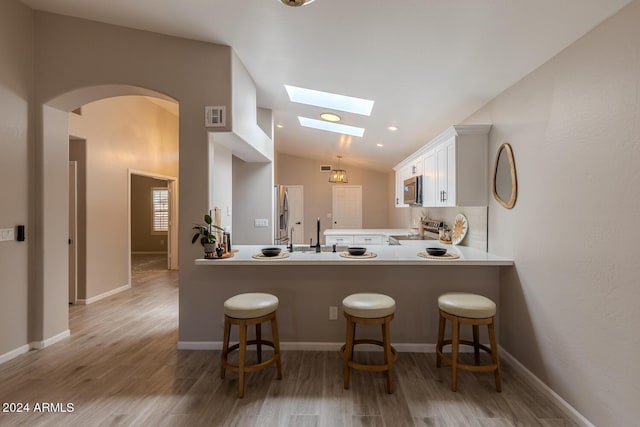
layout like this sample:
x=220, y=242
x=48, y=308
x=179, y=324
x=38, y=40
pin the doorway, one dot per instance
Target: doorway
x=152, y=216
x=73, y=232
x=347, y=206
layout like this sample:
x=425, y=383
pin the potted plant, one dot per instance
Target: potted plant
x=207, y=235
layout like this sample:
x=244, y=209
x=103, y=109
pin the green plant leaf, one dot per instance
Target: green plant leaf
x=207, y=219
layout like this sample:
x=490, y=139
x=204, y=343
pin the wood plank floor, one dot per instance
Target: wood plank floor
x=120, y=367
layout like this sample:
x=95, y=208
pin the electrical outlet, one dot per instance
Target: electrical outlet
x=333, y=313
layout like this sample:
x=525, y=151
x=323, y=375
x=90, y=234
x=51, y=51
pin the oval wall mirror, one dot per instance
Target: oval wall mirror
x=505, y=184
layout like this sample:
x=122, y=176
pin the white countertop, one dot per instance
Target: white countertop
x=404, y=254
x=367, y=231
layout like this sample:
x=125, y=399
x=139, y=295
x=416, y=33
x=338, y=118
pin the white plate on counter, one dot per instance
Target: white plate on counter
x=460, y=227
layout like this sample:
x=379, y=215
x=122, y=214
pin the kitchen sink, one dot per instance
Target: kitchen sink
x=306, y=248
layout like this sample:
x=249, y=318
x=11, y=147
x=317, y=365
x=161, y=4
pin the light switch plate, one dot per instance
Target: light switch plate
x=261, y=222
x=6, y=234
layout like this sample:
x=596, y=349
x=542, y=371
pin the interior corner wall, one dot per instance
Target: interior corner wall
x=79, y=61
x=220, y=181
x=16, y=137
x=252, y=199
x=318, y=202
x=569, y=307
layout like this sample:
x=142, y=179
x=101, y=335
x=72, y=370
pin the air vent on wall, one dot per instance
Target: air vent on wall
x=214, y=117
x=325, y=168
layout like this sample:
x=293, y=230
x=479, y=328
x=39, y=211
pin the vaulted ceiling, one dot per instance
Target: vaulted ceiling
x=427, y=64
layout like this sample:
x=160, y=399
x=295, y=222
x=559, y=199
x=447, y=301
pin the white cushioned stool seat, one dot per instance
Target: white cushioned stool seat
x=467, y=305
x=369, y=305
x=250, y=305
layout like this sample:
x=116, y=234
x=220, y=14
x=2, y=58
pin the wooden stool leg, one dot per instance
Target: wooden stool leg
x=225, y=346
x=494, y=355
x=242, y=356
x=455, y=342
x=441, y=327
x=276, y=345
x=348, y=353
x=476, y=344
x=386, y=341
x=259, y=341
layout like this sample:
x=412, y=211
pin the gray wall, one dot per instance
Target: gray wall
x=291, y=170
x=143, y=239
x=570, y=307
x=252, y=195
x=16, y=92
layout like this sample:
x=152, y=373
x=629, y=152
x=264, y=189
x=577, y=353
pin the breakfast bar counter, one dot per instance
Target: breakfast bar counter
x=312, y=285
x=405, y=254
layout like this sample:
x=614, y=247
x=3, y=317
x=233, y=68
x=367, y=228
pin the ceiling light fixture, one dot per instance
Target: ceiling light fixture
x=331, y=127
x=380, y=145
x=393, y=128
x=338, y=176
x=330, y=117
x=296, y=3
x=329, y=100
x=279, y=125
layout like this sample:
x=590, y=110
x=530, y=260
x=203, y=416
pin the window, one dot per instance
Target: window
x=160, y=209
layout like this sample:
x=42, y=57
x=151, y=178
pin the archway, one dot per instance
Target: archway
x=48, y=301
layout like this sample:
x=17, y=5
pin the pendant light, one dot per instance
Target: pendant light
x=338, y=176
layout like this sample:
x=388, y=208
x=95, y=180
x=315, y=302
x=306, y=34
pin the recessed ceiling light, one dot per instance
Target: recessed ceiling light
x=279, y=125
x=330, y=117
x=380, y=145
x=329, y=100
x=331, y=127
x=393, y=128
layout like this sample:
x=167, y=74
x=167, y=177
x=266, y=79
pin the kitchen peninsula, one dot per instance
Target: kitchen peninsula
x=309, y=283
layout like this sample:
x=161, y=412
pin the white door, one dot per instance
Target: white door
x=347, y=206
x=73, y=231
x=295, y=226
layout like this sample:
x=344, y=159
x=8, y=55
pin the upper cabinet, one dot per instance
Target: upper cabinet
x=409, y=169
x=454, y=168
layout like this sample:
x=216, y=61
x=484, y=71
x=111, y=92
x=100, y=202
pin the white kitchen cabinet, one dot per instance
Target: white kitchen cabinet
x=406, y=170
x=339, y=240
x=455, y=168
x=369, y=240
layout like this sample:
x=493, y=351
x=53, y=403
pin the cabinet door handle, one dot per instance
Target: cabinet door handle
x=444, y=196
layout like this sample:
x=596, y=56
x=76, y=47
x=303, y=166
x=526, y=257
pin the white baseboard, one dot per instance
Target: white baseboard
x=14, y=353
x=104, y=295
x=537, y=384
x=37, y=345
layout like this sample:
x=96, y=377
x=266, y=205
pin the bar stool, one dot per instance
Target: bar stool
x=474, y=310
x=244, y=310
x=368, y=309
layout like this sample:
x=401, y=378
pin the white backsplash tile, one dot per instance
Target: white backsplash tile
x=476, y=217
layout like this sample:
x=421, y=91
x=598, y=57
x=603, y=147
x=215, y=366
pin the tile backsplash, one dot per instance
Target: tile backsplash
x=476, y=217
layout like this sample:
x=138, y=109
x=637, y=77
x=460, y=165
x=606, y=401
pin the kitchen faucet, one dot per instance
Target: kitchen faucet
x=290, y=245
x=317, y=245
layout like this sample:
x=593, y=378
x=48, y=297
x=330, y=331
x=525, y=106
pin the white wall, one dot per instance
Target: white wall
x=16, y=92
x=121, y=133
x=569, y=308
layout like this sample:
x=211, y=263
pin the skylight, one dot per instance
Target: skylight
x=331, y=127
x=329, y=100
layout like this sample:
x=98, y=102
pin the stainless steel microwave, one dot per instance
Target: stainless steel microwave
x=413, y=190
